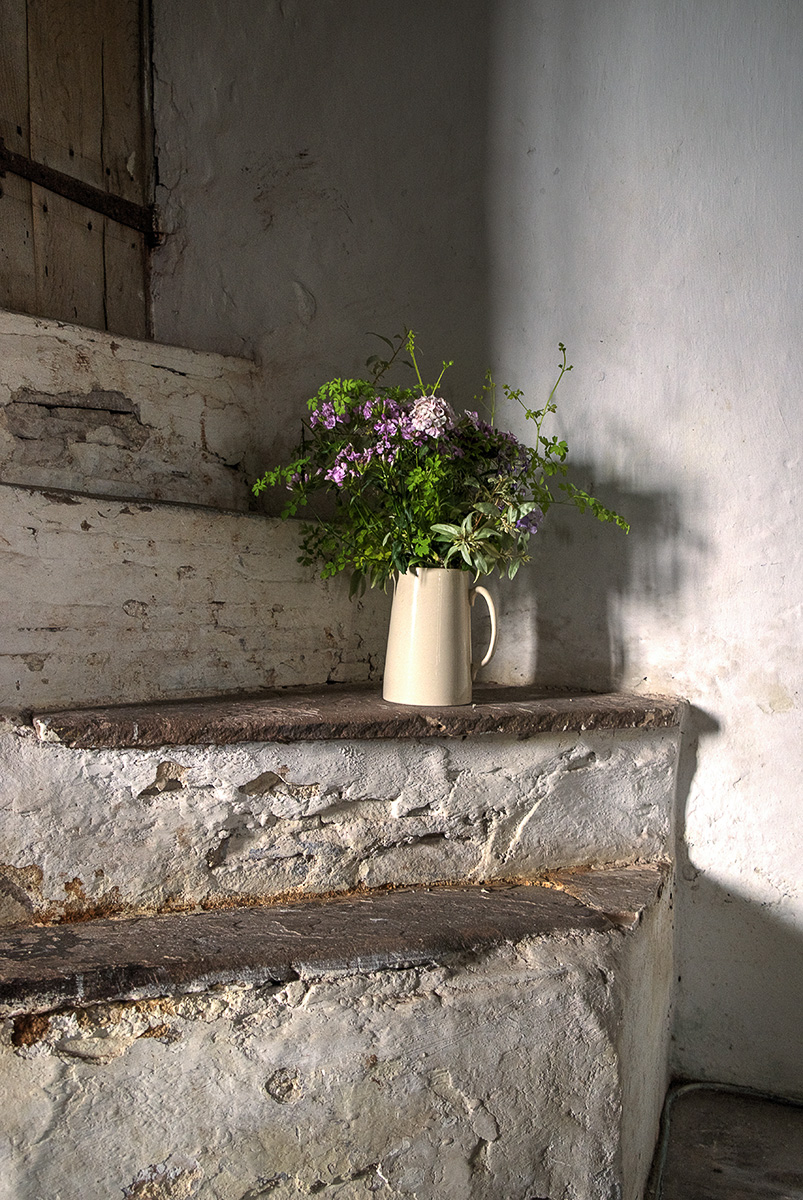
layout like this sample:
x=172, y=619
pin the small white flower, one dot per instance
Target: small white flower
x=432, y=415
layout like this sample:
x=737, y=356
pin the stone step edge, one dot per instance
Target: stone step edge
x=45, y=968
x=71, y=495
x=349, y=711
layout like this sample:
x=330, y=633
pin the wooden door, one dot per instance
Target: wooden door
x=74, y=99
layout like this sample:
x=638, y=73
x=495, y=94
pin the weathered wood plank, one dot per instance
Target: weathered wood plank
x=17, y=285
x=17, y=264
x=65, y=53
x=123, y=74
x=66, y=95
x=125, y=272
x=14, y=122
x=83, y=98
x=68, y=256
x=126, y=165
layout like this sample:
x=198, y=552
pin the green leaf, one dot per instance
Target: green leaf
x=382, y=338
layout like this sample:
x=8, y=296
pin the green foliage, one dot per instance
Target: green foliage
x=417, y=485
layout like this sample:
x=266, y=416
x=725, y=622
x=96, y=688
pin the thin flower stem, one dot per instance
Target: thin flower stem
x=562, y=371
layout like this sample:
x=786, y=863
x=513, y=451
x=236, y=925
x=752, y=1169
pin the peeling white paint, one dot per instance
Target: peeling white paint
x=180, y=425
x=118, y=601
x=137, y=830
x=501, y=1076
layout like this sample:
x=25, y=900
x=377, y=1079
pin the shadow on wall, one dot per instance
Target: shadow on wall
x=363, y=183
x=738, y=957
x=560, y=618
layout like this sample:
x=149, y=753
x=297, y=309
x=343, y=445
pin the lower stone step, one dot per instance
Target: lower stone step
x=471, y=1042
x=723, y=1142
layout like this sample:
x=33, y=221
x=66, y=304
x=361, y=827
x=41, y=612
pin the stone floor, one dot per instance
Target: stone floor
x=729, y=1145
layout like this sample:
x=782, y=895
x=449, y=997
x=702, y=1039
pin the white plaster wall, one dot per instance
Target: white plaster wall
x=88, y=410
x=156, y=830
x=117, y=601
x=653, y=153
x=321, y=173
x=625, y=177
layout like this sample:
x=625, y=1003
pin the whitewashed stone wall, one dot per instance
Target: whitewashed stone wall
x=97, y=413
x=519, y=1073
x=150, y=830
x=113, y=601
x=626, y=177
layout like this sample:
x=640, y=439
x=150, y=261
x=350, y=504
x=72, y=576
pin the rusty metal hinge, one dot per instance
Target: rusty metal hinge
x=141, y=217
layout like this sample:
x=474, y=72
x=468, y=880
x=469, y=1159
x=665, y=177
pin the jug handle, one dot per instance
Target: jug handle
x=480, y=591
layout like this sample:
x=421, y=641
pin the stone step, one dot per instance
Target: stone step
x=164, y=807
x=112, y=601
x=313, y=714
x=721, y=1142
x=133, y=566
x=84, y=409
x=464, y=1043
x=46, y=967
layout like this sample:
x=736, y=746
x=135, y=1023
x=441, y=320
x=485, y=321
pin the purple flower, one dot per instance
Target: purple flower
x=530, y=522
x=480, y=425
x=326, y=415
x=337, y=473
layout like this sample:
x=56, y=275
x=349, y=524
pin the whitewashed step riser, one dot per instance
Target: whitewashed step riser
x=114, y=602
x=86, y=410
x=86, y=830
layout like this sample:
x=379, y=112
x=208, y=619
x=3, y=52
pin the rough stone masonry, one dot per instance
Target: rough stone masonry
x=521, y=1065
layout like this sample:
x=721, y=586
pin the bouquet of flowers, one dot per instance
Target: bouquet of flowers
x=416, y=484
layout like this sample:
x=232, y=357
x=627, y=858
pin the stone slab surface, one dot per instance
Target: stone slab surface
x=45, y=968
x=728, y=1146
x=618, y=892
x=326, y=713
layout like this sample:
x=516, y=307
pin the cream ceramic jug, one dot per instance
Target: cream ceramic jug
x=429, y=640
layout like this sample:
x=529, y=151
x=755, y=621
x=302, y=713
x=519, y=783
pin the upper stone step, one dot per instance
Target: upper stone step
x=312, y=791
x=313, y=714
x=86, y=410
